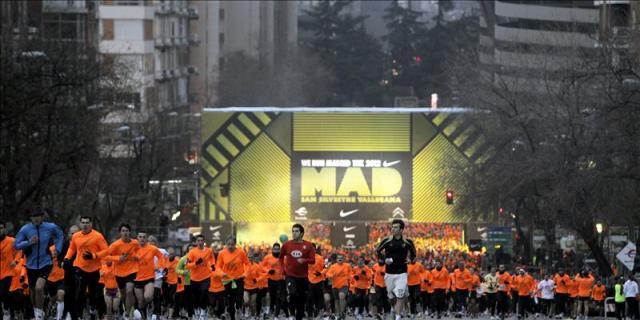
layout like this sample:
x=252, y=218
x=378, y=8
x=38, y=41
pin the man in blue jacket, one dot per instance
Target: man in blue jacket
x=34, y=239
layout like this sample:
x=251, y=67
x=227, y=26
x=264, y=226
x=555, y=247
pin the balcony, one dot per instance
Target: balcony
x=194, y=39
x=162, y=75
x=160, y=42
x=193, y=13
x=193, y=70
x=162, y=9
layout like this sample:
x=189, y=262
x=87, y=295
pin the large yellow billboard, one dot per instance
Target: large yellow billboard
x=298, y=164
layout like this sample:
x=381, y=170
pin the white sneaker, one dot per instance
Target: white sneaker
x=137, y=315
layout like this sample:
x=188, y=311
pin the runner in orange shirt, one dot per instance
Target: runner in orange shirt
x=584, y=282
x=381, y=299
x=216, y=292
x=252, y=274
x=504, y=285
x=462, y=280
x=426, y=289
x=9, y=258
x=598, y=294
x=125, y=268
x=276, y=283
x=111, y=294
x=85, y=246
x=147, y=255
x=414, y=272
x=232, y=261
x=526, y=285
x=440, y=278
x=339, y=274
x=171, y=282
x=561, y=281
x=200, y=261
x=55, y=283
x=363, y=276
x=572, y=288
x=317, y=288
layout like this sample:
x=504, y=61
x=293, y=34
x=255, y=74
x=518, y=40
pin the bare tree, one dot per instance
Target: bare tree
x=566, y=137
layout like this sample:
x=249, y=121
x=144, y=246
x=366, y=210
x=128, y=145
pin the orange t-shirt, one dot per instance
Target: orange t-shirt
x=20, y=278
x=378, y=277
x=253, y=272
x=146, y=263
x=108, y=277
x=316, y=267
x=216, y=284
x=504, y=281
x=599, y=292
x=462, y=279
x=269, y=262
x=118, y=249
x=365, y=277
x=339, y=275
x=584, y=285
x=56, y=273
x=414, y=270
x=475, y=281
x=8, y=255
x=202, y=271
x=426, y=283
x=172, y=276
x=562, y=283
x=92, y=242
x=232, y=263
x=526, y=285
x=573, y=288
x=440, y=278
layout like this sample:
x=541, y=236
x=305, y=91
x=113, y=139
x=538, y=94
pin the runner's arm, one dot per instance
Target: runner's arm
x=72, y=249
x=59, y=235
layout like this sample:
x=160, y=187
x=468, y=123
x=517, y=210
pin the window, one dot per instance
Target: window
x=221, y=14
x=107, y=29
x=148, y=29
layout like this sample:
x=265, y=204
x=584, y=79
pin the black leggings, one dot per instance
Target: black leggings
x=216, y=300
x=297, y=290
x=234, y=296
x=278, y=295
x=439, y=299
x=491, y=303
x=315, y=301
x=88, y=288
x=200, y=291
x=5, y=285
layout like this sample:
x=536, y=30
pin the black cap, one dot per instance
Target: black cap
x=36, y=212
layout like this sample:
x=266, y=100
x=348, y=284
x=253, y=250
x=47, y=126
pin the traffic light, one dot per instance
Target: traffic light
x=449, y=197
x=501, y=212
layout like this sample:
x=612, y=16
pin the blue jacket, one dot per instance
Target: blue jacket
x=38, y=254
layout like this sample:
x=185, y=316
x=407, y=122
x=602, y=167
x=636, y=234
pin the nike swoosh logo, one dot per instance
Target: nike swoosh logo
x=348, y=213
x=389, y=164
x=347, y=229
x=214, y=228
x=482, y=229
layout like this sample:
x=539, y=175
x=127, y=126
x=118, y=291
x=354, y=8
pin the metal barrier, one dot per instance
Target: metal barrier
x=610, y=301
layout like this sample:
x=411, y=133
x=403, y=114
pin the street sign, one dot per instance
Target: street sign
x=627, y=255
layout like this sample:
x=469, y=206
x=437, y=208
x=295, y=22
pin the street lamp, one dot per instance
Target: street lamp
x=599, y=228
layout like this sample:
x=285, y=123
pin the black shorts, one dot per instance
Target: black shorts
x=139, y=284
x=111, y=292
x=251, y=291
x=122, y=281
x=53, y=287
x=5, y=285
x=34, y=274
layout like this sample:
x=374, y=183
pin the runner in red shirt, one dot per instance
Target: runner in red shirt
x=295, y=257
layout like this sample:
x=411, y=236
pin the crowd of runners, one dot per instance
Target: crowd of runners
x=45, y=274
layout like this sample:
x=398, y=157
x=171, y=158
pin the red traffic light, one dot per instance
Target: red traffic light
x=501, y=211
x=449, y=197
